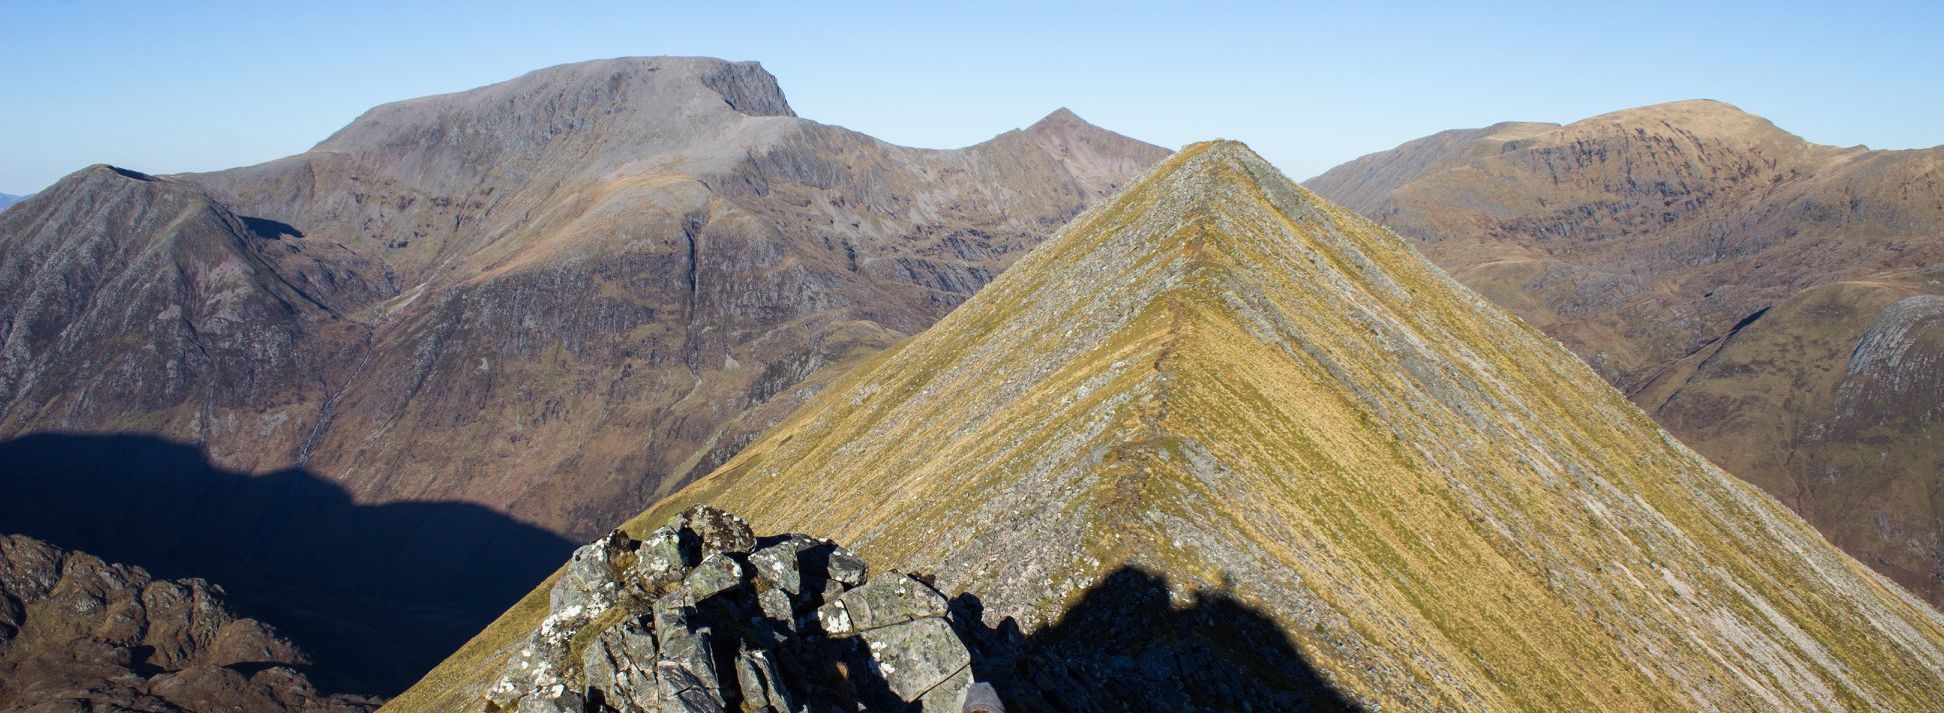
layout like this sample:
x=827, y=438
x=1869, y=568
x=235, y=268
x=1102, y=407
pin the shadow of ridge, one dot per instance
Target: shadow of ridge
x=375, y=594
x=1126, y=647
x=270, y=229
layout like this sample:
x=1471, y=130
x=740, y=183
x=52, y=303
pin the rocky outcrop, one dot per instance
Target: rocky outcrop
x=78, y=633
x=702, y=615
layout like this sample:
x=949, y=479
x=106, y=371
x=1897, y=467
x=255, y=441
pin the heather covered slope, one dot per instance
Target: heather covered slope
x=1219, y=378
x=1744, y=286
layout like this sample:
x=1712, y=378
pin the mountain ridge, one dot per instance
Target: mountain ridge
x=1218, y=377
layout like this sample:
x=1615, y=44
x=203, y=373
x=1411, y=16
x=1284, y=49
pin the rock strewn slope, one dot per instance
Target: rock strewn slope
x=1222, y=379
x=1722, y=272
x=79, y=634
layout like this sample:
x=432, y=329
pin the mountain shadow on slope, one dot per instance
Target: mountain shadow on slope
x=377, y=594
x=1125, y=646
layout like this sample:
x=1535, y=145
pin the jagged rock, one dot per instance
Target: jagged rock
x=659, y=558
x=919, y=655
x=717, y=573
x=950, y=694
x=779, y=564
x=685, y=658
x=588, y=582
x=980, y=698
x=537, y=666
x=725, y=633
x=620, y=668
x=693, y=697
x=558, y=700
x=719, y=531
x=846, y=567
x=891, y=599
x=762, y=683
x=776, y=605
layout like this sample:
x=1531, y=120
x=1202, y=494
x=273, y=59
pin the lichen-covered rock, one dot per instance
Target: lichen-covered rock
x=718, y=573
x=951, y=694
x=539, y=666
x=846, y=568
x=703, y=620
x=918, y=655
x=589, y=581
x=894, y=598
x=685, y=648
x=775, y=605
x=659, y=558
x=763, y=687
x=778, y=564
x=555, y=700
x=619, y=668
x=719, y=531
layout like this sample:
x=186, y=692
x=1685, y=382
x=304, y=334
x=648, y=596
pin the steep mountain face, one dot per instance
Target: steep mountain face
x=135, y=303
x=1744, y=286
x=610, y=263
x=1218, y=424
x=550, y=301
x=8, y=199
x=78, y=633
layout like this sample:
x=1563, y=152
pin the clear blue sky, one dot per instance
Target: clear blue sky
x=182, y=86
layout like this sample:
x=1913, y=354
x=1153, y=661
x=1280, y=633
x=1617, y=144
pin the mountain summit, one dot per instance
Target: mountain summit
x=1220, y=381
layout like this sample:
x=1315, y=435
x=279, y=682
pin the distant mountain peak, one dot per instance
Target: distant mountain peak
x=587, y=116
x=106, y=170
x=1061, y=118
x=1696, y=117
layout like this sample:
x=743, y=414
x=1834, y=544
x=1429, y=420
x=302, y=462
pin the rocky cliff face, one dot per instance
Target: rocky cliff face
x=556, y=298
x=79, y=634
x=1219, y=426
x=1723, y=273
x=135, y=303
